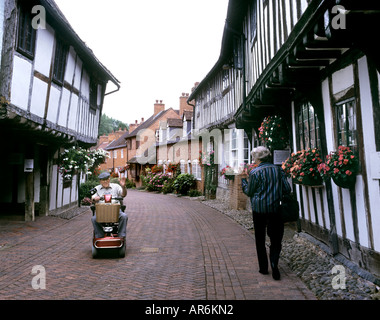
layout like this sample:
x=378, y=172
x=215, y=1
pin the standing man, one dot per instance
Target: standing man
x=267, y=183
x=117, y=191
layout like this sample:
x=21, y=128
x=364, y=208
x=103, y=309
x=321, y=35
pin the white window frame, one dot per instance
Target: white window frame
x=196, y=170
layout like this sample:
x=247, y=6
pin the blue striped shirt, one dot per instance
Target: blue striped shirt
x=265, y=187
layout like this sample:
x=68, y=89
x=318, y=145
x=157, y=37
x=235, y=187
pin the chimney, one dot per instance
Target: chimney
x=183, y=105
x=158, y=107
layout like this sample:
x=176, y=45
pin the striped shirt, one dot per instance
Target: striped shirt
x=265, y=187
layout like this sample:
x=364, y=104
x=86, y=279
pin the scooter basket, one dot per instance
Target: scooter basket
x=107, y=212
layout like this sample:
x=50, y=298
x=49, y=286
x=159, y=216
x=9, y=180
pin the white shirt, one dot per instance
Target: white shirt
x=114, y=189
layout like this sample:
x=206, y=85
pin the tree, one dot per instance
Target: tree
x=108, y=125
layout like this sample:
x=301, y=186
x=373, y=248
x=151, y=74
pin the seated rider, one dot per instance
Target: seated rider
x=117, y=191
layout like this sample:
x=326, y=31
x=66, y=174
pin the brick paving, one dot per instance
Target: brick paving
x=177, y=249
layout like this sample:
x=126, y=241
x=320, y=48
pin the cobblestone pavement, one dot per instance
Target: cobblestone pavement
x=176, y=249
x=314, y=265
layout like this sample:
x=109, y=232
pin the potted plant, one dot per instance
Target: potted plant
x=302, y=167
x=342, y=166
x=228, y=173
x=274, y=133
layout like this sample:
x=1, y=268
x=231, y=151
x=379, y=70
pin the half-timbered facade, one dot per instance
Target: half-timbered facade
x=315, y=64
x=52, y=89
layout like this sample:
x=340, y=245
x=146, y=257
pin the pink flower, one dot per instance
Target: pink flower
x=348, y=172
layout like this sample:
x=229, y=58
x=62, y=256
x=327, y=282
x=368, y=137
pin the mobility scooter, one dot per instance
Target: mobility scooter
x=107, y=214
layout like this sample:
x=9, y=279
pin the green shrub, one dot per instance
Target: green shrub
x=168, y=186
x=195, y=193
x=84, y=189
x=184, y=183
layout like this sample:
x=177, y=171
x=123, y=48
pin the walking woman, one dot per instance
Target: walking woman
x=265, y=186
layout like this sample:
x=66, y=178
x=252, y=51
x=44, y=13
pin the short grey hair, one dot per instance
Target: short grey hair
x=261, y=153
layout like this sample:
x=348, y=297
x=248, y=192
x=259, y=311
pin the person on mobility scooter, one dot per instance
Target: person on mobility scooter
x=109, y=220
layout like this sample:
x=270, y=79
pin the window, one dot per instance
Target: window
x=196, y=170
x=253, y=20
x=246, y=150
x=346, y=124
x=234, y=148
x=59, y=62
x=226, y=79
x=93, y=94
x=26, y=33
x=115, y=154
x=308, y=128
x=238, y=53
x=183, y=166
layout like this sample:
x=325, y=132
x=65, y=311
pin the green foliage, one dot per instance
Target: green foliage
x=168, y=186
x=84, y=189
x=183, y=183
x=108, y=125
x=195, y=193
x=155, y=181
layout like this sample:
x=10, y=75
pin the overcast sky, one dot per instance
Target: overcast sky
x=157, y=49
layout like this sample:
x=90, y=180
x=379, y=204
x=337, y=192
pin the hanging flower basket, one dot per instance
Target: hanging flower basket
x=302, y=167
x=347, y=182
x=342, y=166
x=308, y=181
x=273, y=133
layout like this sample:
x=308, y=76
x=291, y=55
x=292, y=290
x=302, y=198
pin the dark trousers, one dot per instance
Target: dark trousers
x=270, y=223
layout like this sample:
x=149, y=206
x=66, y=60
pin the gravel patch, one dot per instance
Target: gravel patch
x=71, y=213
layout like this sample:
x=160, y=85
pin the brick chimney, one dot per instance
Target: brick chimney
x=133, y=126
x=183, y=105
x=158, y=106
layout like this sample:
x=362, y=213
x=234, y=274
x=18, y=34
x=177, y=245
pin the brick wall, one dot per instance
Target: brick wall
x=238, y=200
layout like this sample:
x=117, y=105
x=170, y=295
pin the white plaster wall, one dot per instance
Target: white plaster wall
x=370, y=147
x=63, y=112
x=53, y=104
x=73, y=112
x=85, y=85
x=39, y=94
x=70, y=66
x=53, y=188
x=44, y=50
x=78, y=73
x=343, y=79
x=22, y=70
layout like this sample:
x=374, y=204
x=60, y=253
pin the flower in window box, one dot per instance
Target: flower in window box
x=228, y=173
x=273, y=133
x=342, y=166
x=302, y=167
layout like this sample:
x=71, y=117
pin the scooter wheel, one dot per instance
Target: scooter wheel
x=122, y=251
x=95, y=252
